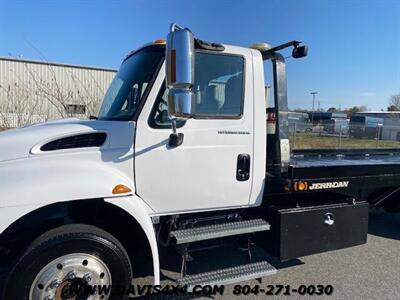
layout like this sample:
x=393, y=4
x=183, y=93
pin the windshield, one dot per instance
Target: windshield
x=130, y=84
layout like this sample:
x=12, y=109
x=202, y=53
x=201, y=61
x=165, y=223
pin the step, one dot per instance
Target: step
x=219, y=230
x=228, y=275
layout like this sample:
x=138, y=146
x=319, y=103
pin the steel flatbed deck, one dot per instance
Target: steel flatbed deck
x=352, y=173
x=343, y=163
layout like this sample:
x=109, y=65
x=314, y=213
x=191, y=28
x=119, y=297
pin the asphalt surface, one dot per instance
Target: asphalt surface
x=370, y=271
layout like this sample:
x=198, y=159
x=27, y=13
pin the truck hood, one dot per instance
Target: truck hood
x=18, y=143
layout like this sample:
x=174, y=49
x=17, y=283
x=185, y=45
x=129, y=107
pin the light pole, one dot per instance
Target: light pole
x=313, y=104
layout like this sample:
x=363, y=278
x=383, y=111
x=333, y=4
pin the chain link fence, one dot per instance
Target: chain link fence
x=326, y=136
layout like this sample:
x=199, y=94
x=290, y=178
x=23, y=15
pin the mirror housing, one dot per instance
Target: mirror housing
x=299, y=51
x=181, y=103
x=180, y=59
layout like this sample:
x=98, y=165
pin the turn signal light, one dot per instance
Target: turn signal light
x=121, y=189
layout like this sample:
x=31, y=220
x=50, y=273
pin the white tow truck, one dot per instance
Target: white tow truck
x=178, y=156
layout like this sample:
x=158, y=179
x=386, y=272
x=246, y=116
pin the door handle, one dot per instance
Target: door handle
x=243, y=167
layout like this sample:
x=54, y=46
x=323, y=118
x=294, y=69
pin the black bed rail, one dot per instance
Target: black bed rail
x=346, y=152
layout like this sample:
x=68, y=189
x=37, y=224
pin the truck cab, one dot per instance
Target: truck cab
x=201, y=174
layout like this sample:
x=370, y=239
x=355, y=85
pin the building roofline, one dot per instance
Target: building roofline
x=50, y=63
x=378, y=112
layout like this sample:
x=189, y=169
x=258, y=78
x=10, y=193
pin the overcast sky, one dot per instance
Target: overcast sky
x=354, y=46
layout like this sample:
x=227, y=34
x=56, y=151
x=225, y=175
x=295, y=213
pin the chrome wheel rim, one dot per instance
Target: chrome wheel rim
x=71, y=277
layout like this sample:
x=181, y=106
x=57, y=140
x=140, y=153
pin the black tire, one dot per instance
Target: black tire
x=67, y=239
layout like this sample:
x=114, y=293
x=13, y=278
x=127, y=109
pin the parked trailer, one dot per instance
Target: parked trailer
x=391, y=129
x=319, y=117
x=366, y=127
x=79, y=199
x=336, y=126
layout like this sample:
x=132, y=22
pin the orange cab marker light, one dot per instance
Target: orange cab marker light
x=160, y=42
x=121, y=189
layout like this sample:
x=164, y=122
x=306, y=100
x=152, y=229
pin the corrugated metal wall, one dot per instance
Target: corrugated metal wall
x=33, y=91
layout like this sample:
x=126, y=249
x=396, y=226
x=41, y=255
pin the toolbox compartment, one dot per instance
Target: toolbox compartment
x=297, y=232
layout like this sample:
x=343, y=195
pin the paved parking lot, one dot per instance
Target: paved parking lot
x=369, y=271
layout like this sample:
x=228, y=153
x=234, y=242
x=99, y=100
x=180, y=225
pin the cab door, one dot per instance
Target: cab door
x=212, y=168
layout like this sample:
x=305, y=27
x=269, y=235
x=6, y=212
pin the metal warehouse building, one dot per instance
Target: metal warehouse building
x=34, y=91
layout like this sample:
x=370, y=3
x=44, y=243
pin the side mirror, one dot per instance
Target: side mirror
x=299, y=51
x=180, y=56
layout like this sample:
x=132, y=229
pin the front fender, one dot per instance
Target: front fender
x=54, y=178
x=140, y=212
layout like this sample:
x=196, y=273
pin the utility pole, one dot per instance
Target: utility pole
x=313, y=105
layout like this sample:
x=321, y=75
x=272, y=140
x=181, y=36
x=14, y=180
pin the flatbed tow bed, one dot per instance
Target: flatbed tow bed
x=336, y=184
x=358, y=173
x=344, y=163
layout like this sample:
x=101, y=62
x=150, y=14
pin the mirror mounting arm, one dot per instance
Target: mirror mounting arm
x=298, y=50
x=175, y=26
x=175, y=138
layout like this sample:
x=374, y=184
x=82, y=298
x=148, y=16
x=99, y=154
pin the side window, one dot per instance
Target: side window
x=218, y=90
x=219, y=85
x=159, y=116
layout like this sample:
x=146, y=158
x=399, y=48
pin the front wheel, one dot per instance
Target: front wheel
x=71, y=262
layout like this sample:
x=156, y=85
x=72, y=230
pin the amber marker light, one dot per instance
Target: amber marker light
x=301, y=186
x=159, y=42
x=121, y=189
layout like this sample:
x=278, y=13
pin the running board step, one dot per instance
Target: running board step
x=184, y=236
x=228, y=275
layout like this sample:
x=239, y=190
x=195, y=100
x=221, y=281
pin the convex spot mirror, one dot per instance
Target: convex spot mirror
x=180, y=62
x=299, y=51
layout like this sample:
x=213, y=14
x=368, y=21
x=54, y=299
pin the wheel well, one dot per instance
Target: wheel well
x=96, y=212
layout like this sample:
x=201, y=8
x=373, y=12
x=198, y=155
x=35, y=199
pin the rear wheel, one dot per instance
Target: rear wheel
x=67, y=263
